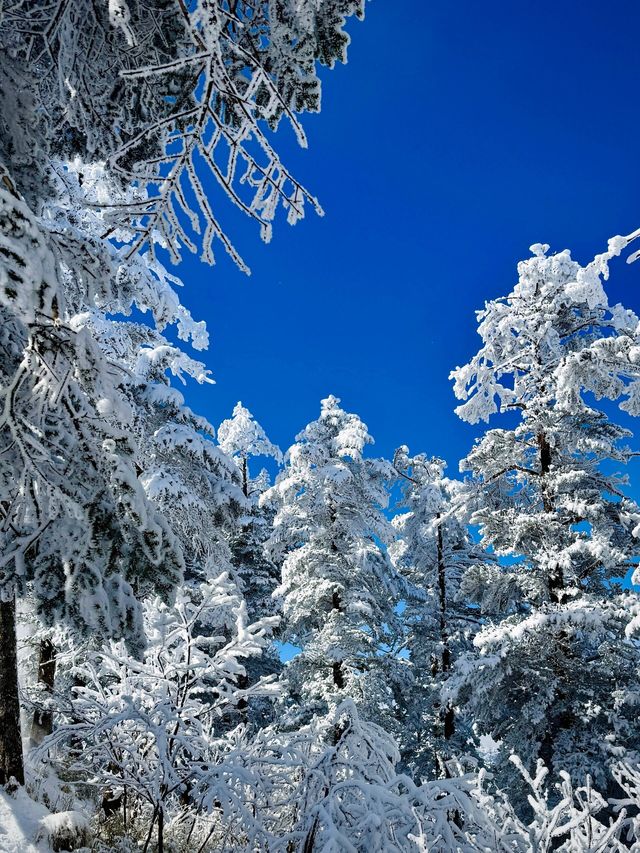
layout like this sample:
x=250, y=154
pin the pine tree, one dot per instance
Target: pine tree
x=555, y=675
x=173, y=98
x=77, y=527
x=433, y=551
x=339, y=589
x=243, y=439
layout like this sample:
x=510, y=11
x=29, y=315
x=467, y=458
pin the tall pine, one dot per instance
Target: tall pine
x=244, y=440
x=339, y=588
x=433, y=551
x=554, y=675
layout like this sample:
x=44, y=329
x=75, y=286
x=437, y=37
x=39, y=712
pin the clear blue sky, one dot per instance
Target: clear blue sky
x=457, y=135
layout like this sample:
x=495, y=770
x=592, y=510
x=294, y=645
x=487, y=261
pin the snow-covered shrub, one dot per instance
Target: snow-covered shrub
x=149, y=729
x=64, y=830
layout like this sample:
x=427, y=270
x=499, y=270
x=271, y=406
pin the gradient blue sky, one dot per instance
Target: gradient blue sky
x=457, y=135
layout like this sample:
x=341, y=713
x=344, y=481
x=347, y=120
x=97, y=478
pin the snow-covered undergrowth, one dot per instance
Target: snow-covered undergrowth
x=20, y=824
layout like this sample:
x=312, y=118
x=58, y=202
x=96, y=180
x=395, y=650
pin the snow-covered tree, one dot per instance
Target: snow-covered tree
x=555, y=674
x=148, y=731
x=173, y=97
x=347, y=795
x=76, y=524
x=185, y=474
x=339, y=588
x=433, y=551
x=243, y=439
x=571, y=817
x=187, y=479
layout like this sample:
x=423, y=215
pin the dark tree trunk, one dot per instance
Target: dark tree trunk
x=338, y=675
x=42, y=724
x=449, y=722
x=555, y=583
x=555, y=580
x=310, y=840
x=161, y=830
x=545, y=454
x=447, y=714
x=243, y=680
x=245, y=477
x=11, y=763
x=442, y=599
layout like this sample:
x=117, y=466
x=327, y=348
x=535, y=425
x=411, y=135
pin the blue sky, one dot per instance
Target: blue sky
x=456, y=136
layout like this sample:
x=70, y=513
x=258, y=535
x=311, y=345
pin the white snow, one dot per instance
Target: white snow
x=20, y=823
x=71, y=826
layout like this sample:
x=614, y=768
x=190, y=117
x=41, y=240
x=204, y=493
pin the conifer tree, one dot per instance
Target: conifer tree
x=555, y=676
x=77, y=528
x=243, y=439
x=180, y=472
x=339, y=589
x=433, y=551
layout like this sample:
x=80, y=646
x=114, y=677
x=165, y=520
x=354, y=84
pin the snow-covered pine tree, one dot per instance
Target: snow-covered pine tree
x=187, y=478
x=243, y=439
x=172, y=97
x=77, y=527
x=339, y=588
x=555, y=676
x=193, y=483
x=433, y=551
x=185, y=474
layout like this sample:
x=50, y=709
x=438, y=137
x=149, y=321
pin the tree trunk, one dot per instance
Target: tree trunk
x=555, y=583
x=243, y=705
x=310, y=840
x=338, y=676
x=442, y=599
x=161, y=830
x=245, y=477
x=42, y=724
x=545, y=454
x=555, y=580
x=448, y=715
x=11, y=763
